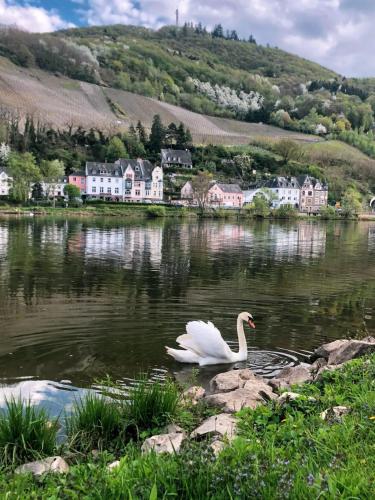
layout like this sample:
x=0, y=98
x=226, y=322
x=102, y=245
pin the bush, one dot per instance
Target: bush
x=96, y=423
x=285, y=212
x=328, y=212
x=26, y=433
x=156, y=211
x=151, y=404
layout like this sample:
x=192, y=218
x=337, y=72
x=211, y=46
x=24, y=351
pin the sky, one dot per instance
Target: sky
x=336, y=33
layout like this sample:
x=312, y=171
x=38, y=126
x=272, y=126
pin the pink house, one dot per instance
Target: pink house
x=225, y=195
x=78, y=179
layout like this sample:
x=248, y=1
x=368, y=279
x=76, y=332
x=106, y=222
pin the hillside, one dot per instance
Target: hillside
x=61, y=101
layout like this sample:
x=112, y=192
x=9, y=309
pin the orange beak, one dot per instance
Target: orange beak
x=251, y=323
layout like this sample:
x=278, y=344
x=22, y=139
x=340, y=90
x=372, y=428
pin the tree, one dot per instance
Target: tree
x=24, y=171
x=72, y=191
x=201, y=184
x=37, y=191
x=115, y=149
x=351, y=203
x=142, y=135
x=260, y=206
x=289, y=150
x=51, y=172
x=243, y=165
x=4, y=153
x=218, y=31
x=157, y=135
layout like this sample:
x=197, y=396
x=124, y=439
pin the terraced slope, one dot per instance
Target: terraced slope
x=61, y=102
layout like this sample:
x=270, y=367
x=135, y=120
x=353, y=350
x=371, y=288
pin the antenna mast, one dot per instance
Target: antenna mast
x=177, y=18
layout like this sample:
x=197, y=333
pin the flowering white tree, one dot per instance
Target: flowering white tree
x=225, y=97
x=320, y=129
x=4, y=152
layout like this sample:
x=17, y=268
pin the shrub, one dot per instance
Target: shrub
x=328, y=212
x=26, y=433
x=156, y=211
x=285, y=212
x=151, y=404
x=96, y=423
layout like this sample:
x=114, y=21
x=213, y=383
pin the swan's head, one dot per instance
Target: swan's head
x=245, y=316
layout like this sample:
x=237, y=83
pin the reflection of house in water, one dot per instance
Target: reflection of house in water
x=131, y=246
x=4, y=240
x=53, y=235
x=216, y=238
x=304, y=240
x=371, y=237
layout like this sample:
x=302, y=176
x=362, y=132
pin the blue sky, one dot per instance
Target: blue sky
x=335, y=33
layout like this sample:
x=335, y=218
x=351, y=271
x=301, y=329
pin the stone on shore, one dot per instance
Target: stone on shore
x=294, y=375
x=164, y=443
x=222, y=425
x=193, y=394
x=325, y=350
x=335, y=413
x=229, y=381
x=285, y=397
x=113, y=465
x=351, y=350
x=217, y=446
x=56, y=465
x=252, y=394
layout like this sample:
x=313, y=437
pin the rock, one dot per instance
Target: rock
x=223, y=425
x=164, y=443
x=295, y=375
x=194, y=394
x=172, y=429
x=327, y=368
x=254, y=393
x=229, y=381
x=317, y=365
x=113, y=465
x=278, y=384
x=217, y=446
x=325, y=350
x=51, y=464
x=292, y=396
x=352, y=349
x=335, y=413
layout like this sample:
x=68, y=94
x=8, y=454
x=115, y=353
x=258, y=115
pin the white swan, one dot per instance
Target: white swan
x=204, y=344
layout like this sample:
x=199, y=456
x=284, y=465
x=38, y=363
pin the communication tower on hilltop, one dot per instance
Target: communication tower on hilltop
x=177, y=18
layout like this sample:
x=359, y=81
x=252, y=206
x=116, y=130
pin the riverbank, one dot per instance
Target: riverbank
x=142, y=211
x=297, y=445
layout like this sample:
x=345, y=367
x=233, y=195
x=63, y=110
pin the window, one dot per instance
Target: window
x=303, y=192
x=309, y=193
x=82, y=180
x=109, y=179
x=93, y=179
x=109, y=190
x=116, y=190
x=74, y=178
x=127, y=192
x=102, y=190
x=94, y=189
x=137, y=192
x=101, y=179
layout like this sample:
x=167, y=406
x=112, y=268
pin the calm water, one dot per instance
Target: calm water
x=81, y=299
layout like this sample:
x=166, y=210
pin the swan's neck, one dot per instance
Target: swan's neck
x=241, y=338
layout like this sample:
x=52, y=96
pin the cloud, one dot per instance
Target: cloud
x=331, y=32
x=31, y=18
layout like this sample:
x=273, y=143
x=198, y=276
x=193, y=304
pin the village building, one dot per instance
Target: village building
x=176, y=158
x=78, y=179
x=5, y=182
x=54, y=189
x=286, y=191
x=125, y=180
x=313, y=194
x=218, y=195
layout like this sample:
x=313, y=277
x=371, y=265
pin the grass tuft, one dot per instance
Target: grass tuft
x=26, y=433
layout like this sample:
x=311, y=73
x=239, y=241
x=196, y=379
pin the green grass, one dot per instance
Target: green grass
x=281, y=452
x=26, y=433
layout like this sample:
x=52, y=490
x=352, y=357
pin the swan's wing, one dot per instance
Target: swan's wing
x=205, y=340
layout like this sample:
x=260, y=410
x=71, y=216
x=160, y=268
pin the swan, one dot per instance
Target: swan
x=203, y=344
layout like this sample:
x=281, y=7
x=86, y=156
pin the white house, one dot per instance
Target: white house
x=286, y=191
x=5, y=182
x=54, y=189
x=125, y=180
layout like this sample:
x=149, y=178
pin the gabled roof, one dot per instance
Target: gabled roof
x=181, y=156
x=103, y=169
x=142, y=168
x=283, y=182
x=307, y=178
x=229, y=188
x=5, y=170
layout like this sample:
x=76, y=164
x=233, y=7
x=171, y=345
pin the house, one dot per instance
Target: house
x=225, y=195
x=286, y=191
x=313, y=194
x=5, y=181
x=249, y=194
x=78, y=179
x=54, y=189
x=125, y=180
x=218, y=195
x=176, y=158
